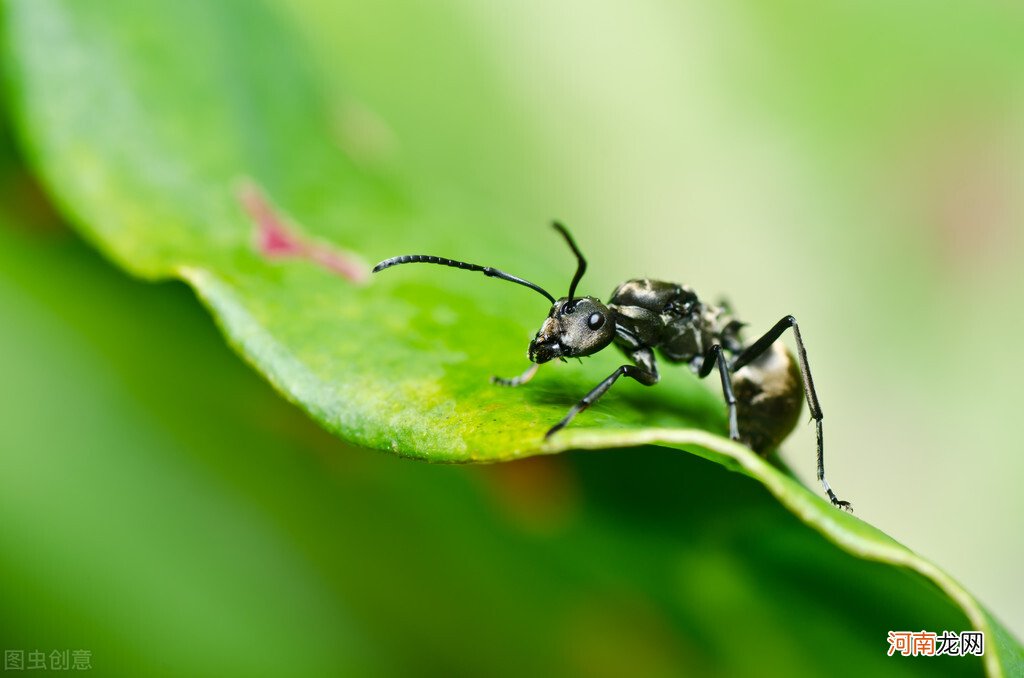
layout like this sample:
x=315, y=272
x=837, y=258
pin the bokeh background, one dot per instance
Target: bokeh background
x=860, y=166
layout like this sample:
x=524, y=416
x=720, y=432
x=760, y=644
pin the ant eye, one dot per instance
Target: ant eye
x=595, y=321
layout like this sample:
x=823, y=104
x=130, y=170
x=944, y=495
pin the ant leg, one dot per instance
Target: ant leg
x=762, y=345
x=518, y=380
x=715, y=357
x=645, y=372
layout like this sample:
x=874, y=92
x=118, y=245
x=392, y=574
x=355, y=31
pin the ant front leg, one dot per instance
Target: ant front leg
x=644, y=371
x=715, y=358
x=762, y=345
x=518, y=380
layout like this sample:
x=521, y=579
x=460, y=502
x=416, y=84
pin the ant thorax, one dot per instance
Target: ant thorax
x=672, y=319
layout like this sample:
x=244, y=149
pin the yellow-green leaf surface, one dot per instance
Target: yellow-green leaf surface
x=177, y=135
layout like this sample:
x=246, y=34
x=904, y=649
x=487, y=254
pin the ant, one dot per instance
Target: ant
x=761, y=381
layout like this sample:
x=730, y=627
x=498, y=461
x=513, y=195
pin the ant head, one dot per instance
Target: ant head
x=574, y=328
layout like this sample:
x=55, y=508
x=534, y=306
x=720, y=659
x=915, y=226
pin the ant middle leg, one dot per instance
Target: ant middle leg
x=644, y=371
x=716, y=358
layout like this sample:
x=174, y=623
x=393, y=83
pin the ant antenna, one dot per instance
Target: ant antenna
x=486, y=270
x=581, y=266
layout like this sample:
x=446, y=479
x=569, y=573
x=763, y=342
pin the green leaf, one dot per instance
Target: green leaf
x=170, y=158
x=177, y=134
x=183, y=520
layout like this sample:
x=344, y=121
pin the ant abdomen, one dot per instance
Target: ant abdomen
x=769, y=398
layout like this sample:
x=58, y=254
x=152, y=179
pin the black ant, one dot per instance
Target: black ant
x=762, y=394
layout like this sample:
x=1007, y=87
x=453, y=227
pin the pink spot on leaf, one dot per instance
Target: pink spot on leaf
x=276, y=239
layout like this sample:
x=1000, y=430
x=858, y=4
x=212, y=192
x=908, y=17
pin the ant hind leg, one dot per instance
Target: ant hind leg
x=762, y=345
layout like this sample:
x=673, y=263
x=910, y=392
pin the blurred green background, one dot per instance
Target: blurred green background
x=860, y=166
